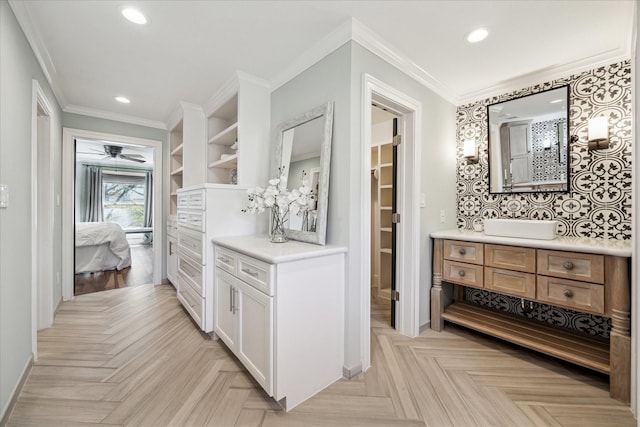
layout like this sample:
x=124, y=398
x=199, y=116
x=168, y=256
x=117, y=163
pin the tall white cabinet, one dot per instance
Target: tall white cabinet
x=204, y=212
x=280, y=309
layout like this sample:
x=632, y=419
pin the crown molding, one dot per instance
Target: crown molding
x=546, y=75
x=313, y=54
x=108, y=115
x=23, y=16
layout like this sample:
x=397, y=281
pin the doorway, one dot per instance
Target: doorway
x=113, y=204
x=384, y=172
x=127, y=145
x=42, y=214
x=408, y=195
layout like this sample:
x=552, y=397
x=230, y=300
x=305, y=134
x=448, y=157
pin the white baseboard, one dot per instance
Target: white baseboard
x=6, y=411
x=349, y=373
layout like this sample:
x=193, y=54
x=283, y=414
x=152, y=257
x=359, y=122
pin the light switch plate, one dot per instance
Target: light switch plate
x=4, y=196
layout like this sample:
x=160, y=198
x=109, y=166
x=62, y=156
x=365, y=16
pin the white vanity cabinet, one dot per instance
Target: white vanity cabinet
x=206, y=211
x=279, y=307
x=172, y=250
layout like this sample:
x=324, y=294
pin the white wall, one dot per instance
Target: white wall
x=338, y=78
x=18, y=66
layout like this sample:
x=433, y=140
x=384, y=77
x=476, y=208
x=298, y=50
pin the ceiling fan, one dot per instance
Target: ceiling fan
x=115, y=152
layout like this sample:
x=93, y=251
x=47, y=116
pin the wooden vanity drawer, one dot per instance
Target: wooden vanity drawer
x=571, y=265
x=226, y=260
x=463, y=274
x=256, y=273
x=464, y=251
x=579, y=296
x=515, y=283
x=511, y=258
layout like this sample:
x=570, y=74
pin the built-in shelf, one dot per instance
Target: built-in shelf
x=177, y=171
x=385, y=208
x=386, y=165
x=387, y=186
x=226, y=163
x=177, y=152
x=386, y=250
x=590, y=352
x=386, y=230
x=227, y=136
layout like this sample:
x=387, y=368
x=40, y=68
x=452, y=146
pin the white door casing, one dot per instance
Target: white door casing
x=68, y=195
x=408, y=245
x=42, y=213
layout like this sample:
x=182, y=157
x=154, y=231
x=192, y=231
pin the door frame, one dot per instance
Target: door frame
x=69, y=136
x=409, y=155
x=42, y=201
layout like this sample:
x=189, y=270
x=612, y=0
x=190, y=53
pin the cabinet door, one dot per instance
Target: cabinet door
x=172, y=261
x=255, y=334
x=224, y=314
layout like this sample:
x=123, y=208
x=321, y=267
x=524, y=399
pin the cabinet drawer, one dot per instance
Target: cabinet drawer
x=463, y=274
x=571, y=265
x=511, y=258
x=191, y=219
x=464, y=251
x=226, y=260
x=191, y=199
x=256, y=273
x=191, y=301
x=579, y=296
x=515, y=283
x=192, y=244
x=192, y=272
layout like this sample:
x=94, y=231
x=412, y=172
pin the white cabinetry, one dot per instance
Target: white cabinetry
x=238, y=123
x=206, y=211
x=280, y=310
x=172, y=250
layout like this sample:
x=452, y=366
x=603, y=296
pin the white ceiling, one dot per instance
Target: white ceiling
x=189, y=49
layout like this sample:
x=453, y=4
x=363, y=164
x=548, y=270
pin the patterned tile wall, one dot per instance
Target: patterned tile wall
x=547, y=164
x=599, y=201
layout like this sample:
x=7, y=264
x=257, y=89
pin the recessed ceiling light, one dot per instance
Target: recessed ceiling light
x=134, y=15
x=478, y=35
x=122, y=99
x=555, y=101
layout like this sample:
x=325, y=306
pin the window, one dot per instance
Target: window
x=123, y=199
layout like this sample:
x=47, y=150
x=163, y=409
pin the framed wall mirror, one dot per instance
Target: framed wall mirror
x=303, y=152
x=529, y=143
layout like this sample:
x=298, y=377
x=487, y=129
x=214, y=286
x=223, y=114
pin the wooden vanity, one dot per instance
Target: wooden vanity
x=584, y=275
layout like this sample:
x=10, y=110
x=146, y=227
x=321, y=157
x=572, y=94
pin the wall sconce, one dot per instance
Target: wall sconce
x=598, y=133
x=470, y=151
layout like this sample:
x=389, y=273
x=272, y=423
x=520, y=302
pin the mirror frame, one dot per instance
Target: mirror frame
x=567, y=184
x=319, y=236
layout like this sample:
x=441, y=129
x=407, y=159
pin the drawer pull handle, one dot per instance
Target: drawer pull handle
x=568, y=293
x=462, y=251
x=568, y=265
x=461, y=273
x=249, y=272
x=223, y=259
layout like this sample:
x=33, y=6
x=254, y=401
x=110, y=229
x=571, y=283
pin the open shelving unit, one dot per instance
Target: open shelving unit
x=176, y=165
x=222, y=134
x=382, y=194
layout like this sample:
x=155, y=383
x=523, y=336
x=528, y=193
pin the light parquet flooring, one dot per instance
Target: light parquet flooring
x=132, y=357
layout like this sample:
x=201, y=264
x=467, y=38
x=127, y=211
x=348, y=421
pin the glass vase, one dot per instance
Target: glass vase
x=278, y=234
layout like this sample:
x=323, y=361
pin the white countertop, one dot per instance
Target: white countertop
x=275, y=253
x=621, y=248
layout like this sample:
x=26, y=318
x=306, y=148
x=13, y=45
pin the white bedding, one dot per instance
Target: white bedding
x=101, y=246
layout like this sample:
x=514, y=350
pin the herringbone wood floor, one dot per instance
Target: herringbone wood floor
x=133, y=357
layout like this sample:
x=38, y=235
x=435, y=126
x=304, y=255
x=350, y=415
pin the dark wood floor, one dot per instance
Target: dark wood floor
x=140, y=273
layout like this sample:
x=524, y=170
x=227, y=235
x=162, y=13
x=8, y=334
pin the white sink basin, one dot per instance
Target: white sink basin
x=521, y=228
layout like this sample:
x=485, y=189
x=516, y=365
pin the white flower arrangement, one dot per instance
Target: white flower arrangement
x=281, y=202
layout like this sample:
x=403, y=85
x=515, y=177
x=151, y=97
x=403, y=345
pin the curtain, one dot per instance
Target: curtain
x=148, y=201
x=93, y=194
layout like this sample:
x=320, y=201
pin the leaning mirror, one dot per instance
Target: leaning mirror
x=303, y=152
x=528, y=143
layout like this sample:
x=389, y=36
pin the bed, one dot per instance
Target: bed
x=101, y=246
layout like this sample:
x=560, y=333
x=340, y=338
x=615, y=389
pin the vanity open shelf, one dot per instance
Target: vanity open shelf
x=585, y=351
